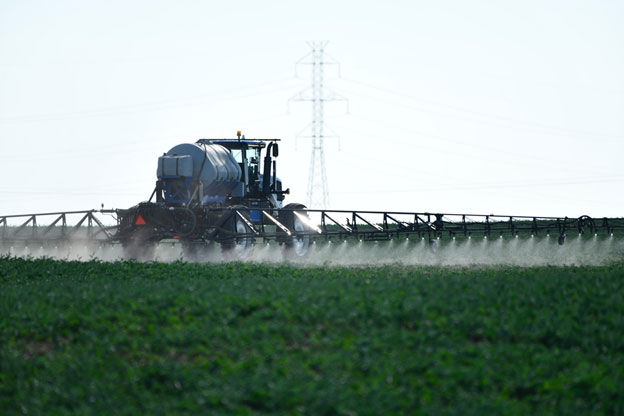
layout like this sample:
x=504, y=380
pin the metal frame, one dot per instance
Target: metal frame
x=384, y=225
x=363, y=225
x=29, y=231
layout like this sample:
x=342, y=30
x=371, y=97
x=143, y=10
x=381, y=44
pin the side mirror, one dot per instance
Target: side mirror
x=275, y=149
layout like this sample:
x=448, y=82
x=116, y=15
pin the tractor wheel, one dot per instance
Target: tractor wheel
x=197, y=251
x=434, y=245
x=139, y=247
x=235, y=245
x=185, y=221
x=297, y=245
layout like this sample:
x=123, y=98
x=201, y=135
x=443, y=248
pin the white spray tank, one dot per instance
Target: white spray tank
x=210, y=165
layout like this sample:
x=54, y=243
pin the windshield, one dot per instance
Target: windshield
x=253, y=156
x=253, y=159
x=238, y=155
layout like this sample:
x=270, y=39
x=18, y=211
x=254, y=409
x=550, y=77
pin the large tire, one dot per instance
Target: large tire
x=197, y=251
x=139, y=247
x=233, y=247
x=297, y=245
x=185, y=221
x=434, y=245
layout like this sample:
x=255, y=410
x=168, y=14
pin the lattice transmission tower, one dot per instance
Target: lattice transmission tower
x=318, y=95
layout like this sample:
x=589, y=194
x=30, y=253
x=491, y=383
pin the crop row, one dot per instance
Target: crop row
x=131, y=338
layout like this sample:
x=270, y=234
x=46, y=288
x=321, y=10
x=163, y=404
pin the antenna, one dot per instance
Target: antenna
x=318, y=194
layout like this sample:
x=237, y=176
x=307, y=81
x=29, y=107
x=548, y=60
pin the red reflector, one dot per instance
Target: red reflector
x=140, y=220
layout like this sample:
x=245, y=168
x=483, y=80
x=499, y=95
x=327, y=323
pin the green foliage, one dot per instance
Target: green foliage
x=132, y=338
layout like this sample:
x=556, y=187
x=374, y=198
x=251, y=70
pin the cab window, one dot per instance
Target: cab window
x=238, y=155
x=253, y=159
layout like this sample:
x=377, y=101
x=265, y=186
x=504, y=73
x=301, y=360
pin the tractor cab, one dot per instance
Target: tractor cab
x=247, y=155
x=258, y=172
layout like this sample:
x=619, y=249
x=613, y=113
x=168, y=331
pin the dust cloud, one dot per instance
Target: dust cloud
x=524, y=252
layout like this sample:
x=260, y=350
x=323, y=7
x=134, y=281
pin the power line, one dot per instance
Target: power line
x=489, y=186
x=203, y=99
x=501, y=121
x=526, y=159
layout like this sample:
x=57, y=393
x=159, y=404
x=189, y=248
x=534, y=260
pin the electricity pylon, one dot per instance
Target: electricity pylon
x=318, y=193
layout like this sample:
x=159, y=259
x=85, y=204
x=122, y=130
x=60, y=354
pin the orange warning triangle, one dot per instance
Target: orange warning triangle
x=140, y=220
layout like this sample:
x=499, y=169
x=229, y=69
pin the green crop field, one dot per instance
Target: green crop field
x=130, y=338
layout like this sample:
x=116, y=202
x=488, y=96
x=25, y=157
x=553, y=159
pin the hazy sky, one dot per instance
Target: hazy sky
x=454, y=106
